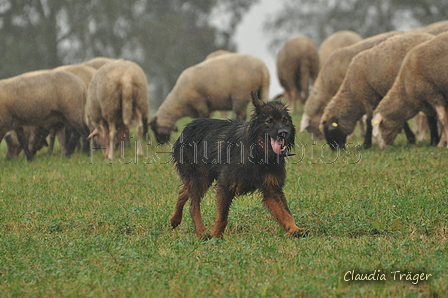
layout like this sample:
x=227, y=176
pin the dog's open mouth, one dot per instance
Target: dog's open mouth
x=278, y=146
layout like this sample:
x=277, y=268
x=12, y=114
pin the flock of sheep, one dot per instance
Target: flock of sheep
x=99, y=98
x=387, y=79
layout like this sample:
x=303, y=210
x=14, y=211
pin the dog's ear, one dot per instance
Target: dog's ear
x=256, y=101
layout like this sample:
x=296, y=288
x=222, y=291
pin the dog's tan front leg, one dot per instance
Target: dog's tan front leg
x=278, y=207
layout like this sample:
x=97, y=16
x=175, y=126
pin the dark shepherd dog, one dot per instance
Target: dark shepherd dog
x=242, y=157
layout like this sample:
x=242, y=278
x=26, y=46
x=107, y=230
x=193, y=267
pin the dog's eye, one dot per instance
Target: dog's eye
x=285, y=120
x=269, y=120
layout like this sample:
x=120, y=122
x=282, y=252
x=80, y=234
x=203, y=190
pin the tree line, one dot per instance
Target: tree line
x=167, y=36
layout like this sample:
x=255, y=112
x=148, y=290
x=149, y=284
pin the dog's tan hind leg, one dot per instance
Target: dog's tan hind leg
x=176, y=217
x=224, y=200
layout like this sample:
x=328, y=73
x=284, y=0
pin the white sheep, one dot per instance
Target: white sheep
x=336, y=41
x=222, y=83
x=369, y=77
x=330, y=79
x=117, y=95
x=421, y=85
x=42, y=98
x=297, y=68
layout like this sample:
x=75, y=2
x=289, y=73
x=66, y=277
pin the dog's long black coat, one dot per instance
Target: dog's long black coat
x=242, y=157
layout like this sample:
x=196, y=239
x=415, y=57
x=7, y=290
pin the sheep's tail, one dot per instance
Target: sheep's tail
x=127, y=101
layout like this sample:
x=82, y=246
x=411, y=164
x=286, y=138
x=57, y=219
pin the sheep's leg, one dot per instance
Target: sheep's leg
x=368, y=137
x=443, y=118
x=362, y=130
x=203, y=112
x=140, y=129
x=409, y=134
x=52, y=138
x=104, y=133
x=239, y=110
x=433, y=129
x=85, y=143
x=112, y=137
x=24, y=143
x=431, y=118
x=72, y=141
x=304, y=81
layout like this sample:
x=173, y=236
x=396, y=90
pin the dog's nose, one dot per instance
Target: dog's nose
x=282, y=133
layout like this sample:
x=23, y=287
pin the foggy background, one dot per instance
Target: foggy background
x=167, y=36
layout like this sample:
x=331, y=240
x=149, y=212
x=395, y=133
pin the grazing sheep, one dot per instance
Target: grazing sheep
x=222, y=83
x=42, y=98
x=297, y=68
x=37, y=135
x=117, y=95
x=330, y=79
x=369, y=76
x=85, y=73
x=421, y=85
x=215, y=54
x=336, y=41
x=34, y=135
x=98, y=62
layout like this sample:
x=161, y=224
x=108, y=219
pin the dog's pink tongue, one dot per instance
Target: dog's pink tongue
x=276, y=146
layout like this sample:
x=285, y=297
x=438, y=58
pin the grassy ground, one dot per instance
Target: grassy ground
x=83, y=227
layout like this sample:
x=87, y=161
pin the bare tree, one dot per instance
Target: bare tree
x=320, y=18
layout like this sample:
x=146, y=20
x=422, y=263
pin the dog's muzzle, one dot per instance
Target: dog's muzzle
x=282, y=134
x=278, y=143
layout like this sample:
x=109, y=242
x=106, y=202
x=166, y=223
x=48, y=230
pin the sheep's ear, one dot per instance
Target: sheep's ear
x=153, y=122
x=279, y=96
x=93, y=134
x=256, y=100
x=305, y=122
x=376, y=121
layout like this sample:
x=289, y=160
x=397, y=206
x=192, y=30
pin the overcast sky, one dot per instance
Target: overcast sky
x=250, y=39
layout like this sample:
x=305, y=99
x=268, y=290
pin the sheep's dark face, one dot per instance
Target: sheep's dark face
x=162, y=133
x=334, y=134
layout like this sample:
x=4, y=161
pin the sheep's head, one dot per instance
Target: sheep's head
x=334, y=133
x=311, y=125
x=384, y=131
x=162, y=133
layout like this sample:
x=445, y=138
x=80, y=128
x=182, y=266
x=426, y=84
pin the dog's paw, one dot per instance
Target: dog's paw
x=175, y=221
x=205, y=237
x=301, y=233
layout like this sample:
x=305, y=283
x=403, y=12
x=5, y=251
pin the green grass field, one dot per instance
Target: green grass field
x=82, y=227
